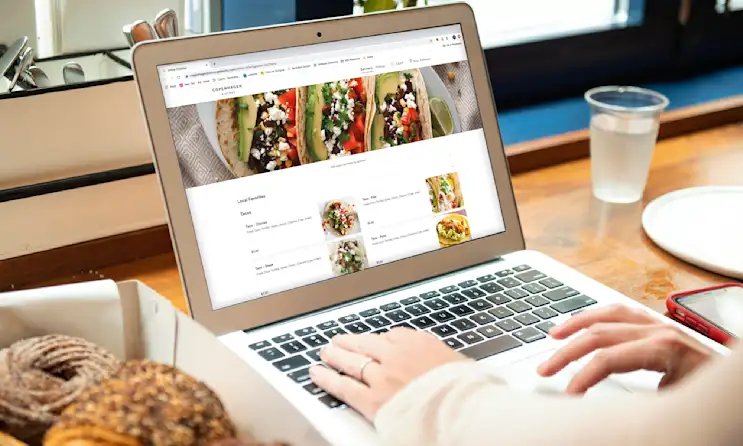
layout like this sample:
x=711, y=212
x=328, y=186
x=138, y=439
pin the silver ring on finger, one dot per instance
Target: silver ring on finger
x=366, y=362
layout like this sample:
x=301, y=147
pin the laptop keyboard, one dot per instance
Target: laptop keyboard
x=479, y=318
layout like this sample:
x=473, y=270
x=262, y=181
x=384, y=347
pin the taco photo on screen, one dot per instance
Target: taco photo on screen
x=333, y=118
x=401, y=111
x=449, y=192
x=258, y=133
x=452, y=230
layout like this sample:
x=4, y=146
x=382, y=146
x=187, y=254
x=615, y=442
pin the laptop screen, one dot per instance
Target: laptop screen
x=308, y=163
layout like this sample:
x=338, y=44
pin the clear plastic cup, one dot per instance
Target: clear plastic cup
x=624, y=129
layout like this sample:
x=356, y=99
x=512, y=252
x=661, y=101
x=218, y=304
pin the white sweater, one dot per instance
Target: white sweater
x=465, y=404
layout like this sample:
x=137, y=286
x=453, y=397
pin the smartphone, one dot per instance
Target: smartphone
x=716, y=312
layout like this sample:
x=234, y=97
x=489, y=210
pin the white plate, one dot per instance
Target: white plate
x=700, y=225
x=436, y=89
x=207, y=114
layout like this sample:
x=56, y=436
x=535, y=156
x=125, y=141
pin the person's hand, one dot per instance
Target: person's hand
x=627, y=340
x=376, y=367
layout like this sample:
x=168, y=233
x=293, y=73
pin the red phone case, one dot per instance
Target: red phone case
x=696, y=321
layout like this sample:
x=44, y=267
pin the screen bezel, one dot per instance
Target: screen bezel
x=276, y=307
x=680, y=302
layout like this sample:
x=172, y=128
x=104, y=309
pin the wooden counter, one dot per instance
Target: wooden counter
x=562, y=219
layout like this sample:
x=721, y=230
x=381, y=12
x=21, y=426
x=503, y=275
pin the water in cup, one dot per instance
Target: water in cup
x=621, y=150
x=624, y=127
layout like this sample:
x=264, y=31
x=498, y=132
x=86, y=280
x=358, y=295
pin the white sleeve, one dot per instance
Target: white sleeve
x=466, y=404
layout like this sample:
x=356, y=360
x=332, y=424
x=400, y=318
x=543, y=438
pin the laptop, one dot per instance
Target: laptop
x=348, y=176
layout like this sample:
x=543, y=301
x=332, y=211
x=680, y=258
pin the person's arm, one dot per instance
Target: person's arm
x=465, y=404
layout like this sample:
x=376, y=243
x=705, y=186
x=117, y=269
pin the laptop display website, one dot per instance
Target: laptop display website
x=307, y=163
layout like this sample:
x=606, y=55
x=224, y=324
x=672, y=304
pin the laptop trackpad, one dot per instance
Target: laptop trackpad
x=522, y=375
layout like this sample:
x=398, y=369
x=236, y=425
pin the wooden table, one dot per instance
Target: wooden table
x=562, y=219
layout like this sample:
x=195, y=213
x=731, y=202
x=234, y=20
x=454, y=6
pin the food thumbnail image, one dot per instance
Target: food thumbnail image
x=347, y=256
x=453, y=229
x=339, y=218
x=334, y=117
x=258, y=133
x=401, y=110
x=445, y=192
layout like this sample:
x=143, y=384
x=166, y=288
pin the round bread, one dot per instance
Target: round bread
x=7, y=440
x=152, y=403
x=40, y=377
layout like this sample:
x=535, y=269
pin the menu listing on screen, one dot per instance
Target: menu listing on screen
x=308, y=163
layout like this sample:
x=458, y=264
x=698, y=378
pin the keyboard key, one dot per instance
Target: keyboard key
x=480, y=304
x=436, y=304
x=404, y=325
x=470, y=337
x=348, y=319
x=528, y=334
x=474, y=293
x=430, y=295
x=534, y=288
x=449, y=289
x=560, y=294
x=491, y=288
x=521, y=268
x=259, y=345
x=390, y=306
x=283, y=338
x=270, y=354
x=453, y=343
x=331, y=401
x=291, y=363
x=293, y=347
x=489, y=331
x=572, y=304
x=467, y=283
x=536, y=301
x=443, y=331
x=526, y=319
x=397, y=316
x=508, y=325
x=410, y=300
x=530, y=276
x=305, y=331
x=315, y=340
x=455, y=298
x=442, y=316
x=516, y=293
x=509, y=282
x=551, y=283
x=423, y=322
x=498, y=299
x=486, y=278
x=370, y=312
x=378, y=321
x=313, y=389
x=358, y=327
x=417, y=309
x=518, y=306
x=501, y=312
x=314, y=354
x=463, y=324
x=327, y=325
x=380, y=331
x=491, y=347
x=334, y=332
x=300, y=375
x=545, y=312
x=461, y=310
x=504, y=273
x=545, y=326
x=482, y=318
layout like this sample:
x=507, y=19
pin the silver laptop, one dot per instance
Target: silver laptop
x=348, y=176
